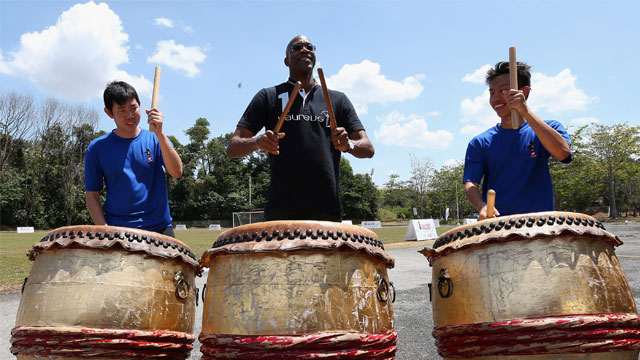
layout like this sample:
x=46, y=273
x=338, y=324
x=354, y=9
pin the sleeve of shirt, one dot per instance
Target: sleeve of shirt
x=93, y=177
x=346, y=115
x=473, y=164
x=255, y=115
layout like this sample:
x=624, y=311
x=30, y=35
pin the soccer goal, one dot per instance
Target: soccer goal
x=247, y=217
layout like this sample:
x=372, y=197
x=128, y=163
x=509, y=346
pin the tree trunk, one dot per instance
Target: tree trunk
x=612, y=191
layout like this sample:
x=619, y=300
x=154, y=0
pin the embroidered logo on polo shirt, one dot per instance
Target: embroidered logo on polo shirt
x=322, y=118
x=149, y=159
x=532, y=150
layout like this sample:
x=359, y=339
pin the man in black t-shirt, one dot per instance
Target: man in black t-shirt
x=305, y=164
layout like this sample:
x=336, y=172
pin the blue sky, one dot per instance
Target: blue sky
x=413, y=69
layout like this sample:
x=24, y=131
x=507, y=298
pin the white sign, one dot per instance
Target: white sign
x=181, y=227
x=348, y=222
x=371, y=224
x=436, y=222
x=469, y=221
x=423, y=229
x=214, y=227
x=24, y=229
x=415, y=212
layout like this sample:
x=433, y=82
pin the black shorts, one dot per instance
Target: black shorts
x=282, y=214
x=167, y=231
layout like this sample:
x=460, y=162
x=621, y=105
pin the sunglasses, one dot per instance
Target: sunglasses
x=298, y=47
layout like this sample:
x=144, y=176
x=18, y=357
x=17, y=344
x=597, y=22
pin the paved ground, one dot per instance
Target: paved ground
x=413, y=315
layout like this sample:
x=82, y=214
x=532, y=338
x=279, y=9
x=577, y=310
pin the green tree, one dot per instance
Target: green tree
x=421, y=173
x=447, y=191
x=358, y=193
x=577, y=186
x=16, y=119
x=613, y=149
x=630, y=188
x=398, y=197
x=198, y=135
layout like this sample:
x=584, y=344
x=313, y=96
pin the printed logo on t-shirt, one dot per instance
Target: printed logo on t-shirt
x=532, y=150
x=149, y=159
x=323, y=117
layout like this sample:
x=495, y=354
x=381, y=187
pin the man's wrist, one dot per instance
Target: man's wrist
x=350, y=145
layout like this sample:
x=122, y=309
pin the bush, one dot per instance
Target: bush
x=387, y=215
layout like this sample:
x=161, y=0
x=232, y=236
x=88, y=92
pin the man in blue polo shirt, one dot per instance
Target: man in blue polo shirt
x=130, y=161
x=305, y=164
x=514, y=162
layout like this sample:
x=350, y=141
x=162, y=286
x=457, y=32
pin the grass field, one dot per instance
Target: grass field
x=15, y=266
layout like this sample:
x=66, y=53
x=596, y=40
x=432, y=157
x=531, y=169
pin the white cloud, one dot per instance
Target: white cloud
x=550, y=95
x=477, y=115
x=452, y=162
x=478, y=76
x=364, y=85
x=557, y=94
x=584, y=121
x=410, y=131
x=75, y=58
x=178, y=57
x=163, y=22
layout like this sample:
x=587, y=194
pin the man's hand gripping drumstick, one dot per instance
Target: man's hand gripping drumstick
x=269, y=141
x=485, y=210
x=491, y=203
x=339, y=136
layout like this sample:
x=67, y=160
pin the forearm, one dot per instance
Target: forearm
x=241, y=146
x=473, y=195
x=549, y=137
x=172, y=161
x=362, y=146
x=362, y=149
x=95, y=207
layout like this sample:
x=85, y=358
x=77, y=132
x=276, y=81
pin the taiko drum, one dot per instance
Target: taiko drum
x=298, y=290
x=105, y=292
x=537, y=286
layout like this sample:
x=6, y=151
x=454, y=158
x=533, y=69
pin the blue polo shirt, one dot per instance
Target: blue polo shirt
x=514, y=164
x=132, y=171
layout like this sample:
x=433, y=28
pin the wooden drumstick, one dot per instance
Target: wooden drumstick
x=491, y=202
x=156, y=90
x=292, y=98
x=513, y=83
x=325, y=91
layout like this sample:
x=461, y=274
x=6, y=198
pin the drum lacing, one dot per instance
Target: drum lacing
x=517, y=223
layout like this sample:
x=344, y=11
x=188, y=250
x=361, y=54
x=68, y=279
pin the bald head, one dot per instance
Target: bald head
x=299, y=38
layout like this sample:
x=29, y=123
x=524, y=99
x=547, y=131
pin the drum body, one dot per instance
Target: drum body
x=535, y=286
x=298, y=289
x=107, y=292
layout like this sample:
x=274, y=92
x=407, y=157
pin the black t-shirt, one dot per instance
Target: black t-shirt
x=305, y=176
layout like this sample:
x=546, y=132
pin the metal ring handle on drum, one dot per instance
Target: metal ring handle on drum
x=393, y=298
x=383, y=290
x=182, y=286
x=444, y=279
x=204, y=290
